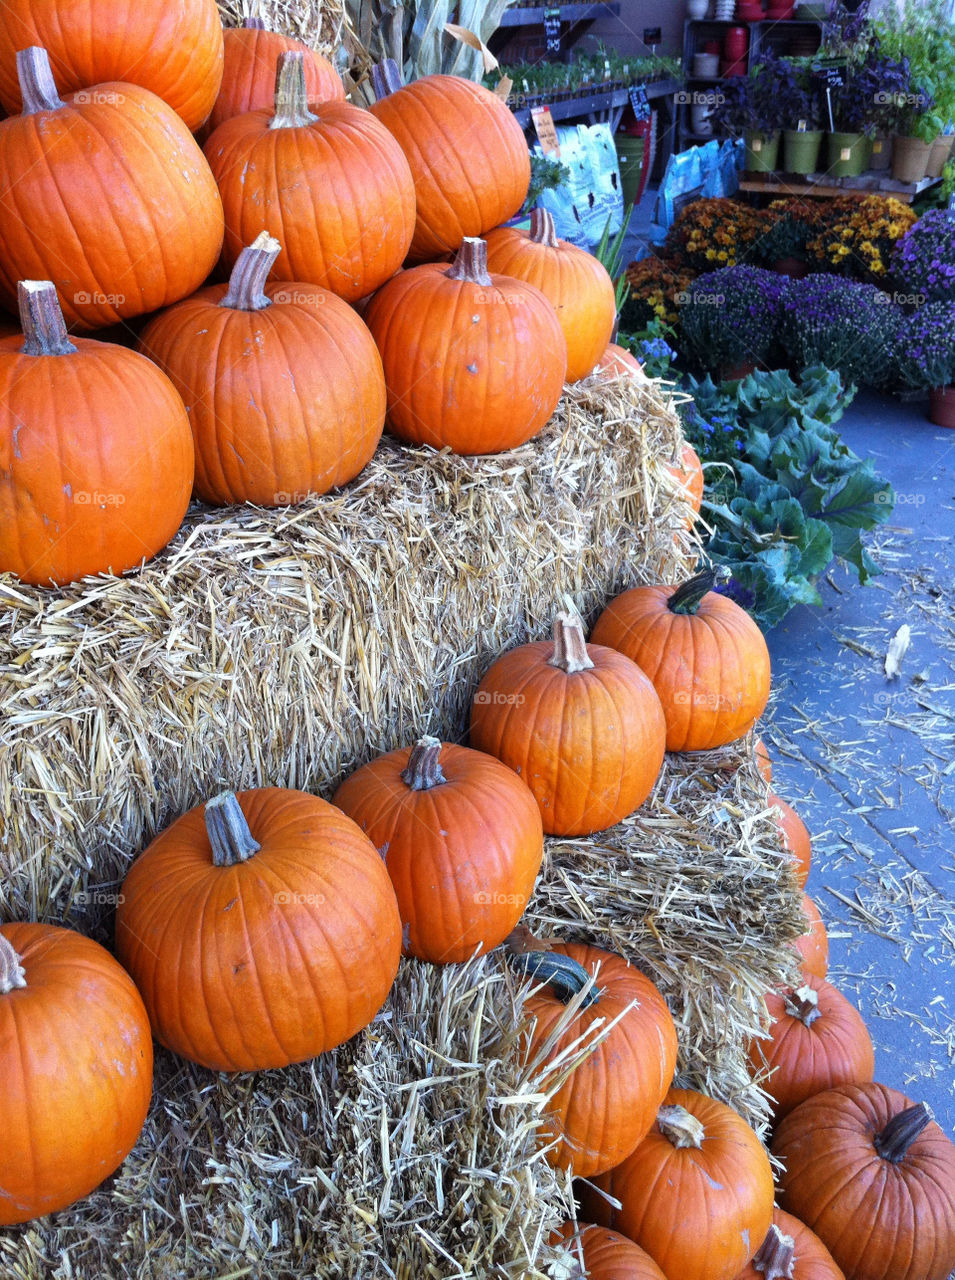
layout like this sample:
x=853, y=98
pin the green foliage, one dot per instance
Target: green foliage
x=610, y=253
x=651, y=346
x=790, y=495
x=546, y=175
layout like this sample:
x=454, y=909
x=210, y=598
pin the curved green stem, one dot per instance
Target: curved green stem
x=565, y=977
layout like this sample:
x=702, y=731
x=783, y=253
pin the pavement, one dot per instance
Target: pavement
x=869, y=762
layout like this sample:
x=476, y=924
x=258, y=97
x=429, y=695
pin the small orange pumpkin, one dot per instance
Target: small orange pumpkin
x=462, y=840
x=705, y=655
x=791, y=1252
x=794, y=836
x=617, y=361
x=574, y=281
x=580, y=723
x=606, y=1254
x=813, y=946
x=763, y=760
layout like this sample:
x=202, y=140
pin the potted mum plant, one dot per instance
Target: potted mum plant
x=925, y=357
x=923, y=262
x=729, y=318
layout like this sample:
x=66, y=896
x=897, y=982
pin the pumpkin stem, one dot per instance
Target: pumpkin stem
x=44, y=329
x=543, y=230
x=291, y=95
x=11, y=968
x=228, y=831
x=804, y=1005
x=255, y=24
x=470, y=263
x=689, y=597
x=37, y=86
x=246, y=290
x=423, y=770
x=894, y=1141
x=385, y=78
x=570, y=647
x=565, y=977
x=776, y=1256
x=679, y=1127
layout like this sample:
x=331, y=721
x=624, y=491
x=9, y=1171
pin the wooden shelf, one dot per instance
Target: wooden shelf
x=821, y=185
x=595, y=103
x=568, y=13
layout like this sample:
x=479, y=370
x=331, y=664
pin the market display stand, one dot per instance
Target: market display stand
x=567, y=21
x=826, y=187
x=762, y=35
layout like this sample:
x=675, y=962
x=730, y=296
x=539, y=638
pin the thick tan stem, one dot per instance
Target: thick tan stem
x=247, y=282
x=470, y=263
x=11, y=968
x=896, y=1138
x=44, y=329
x=570, y=646
x=679, y=1127
x=232, y=841
x=291, y=96
x=776, y=1256
x=423, y=770
x=804, y=1005
x=37, y=86
x=543, y=230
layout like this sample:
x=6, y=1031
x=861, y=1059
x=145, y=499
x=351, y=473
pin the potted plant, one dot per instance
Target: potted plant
x=783, y=243
x=895, y=84
x=923, y=263
x=798, y=105
x=852, y=107
x=750, y=110
x=917, y=126
x=729, y=318
x=926, y=358
x=923, y=35
x=842, y=324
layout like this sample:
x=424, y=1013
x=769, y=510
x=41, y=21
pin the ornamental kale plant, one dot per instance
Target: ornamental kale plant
x=924, y=259
x=790, y=495
x=926, y=350
x=731, y=315
x=847, y=326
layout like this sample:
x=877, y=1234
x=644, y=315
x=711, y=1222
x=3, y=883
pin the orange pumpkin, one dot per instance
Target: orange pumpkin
x=282, y=382
x=607, y=1104
x=607, y=1255
x=131, y=219
x=173, y=50
x=817, y=1040
x=687, y=471
x=696, y=1194
x=813, y=946
x=331, y=185
x=763, y=760
x=251, y=55
x=574, y=281
x=580, y=723
x=96, y=456
x=472, y=361
x=794, y=836
x=467, y=153
x=705, y=655
x=791, y=1252
x=617, y=361
x=76, y=1060
x=261, y=929
x=461, y=838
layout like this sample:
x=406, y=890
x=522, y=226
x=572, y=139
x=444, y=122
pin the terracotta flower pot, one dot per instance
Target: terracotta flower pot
x=910, y=159
x=795, y=268
x=732, y=372
x=941, y=406
x=939, y=154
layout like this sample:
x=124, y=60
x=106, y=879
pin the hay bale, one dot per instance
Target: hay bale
x=284, y=648
x=318, y=22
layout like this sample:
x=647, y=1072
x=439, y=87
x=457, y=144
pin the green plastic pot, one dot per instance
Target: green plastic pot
x=880, y=153
x=801, y=150
x=762, y=151
x=630, y=162
x=910, y=158
x=847, y=155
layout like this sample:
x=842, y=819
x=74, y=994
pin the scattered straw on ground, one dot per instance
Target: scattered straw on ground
x=318, y=22
x=284, y=648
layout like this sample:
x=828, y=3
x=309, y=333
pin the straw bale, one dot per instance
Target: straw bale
x=284, y=648
x=318, y=22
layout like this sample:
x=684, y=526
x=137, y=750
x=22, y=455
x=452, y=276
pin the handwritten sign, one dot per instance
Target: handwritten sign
x=652, y=35
x=638, y=100
x=546, y=130
x=552, y=28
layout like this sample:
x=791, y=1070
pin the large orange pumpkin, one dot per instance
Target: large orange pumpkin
x=791, y=1252
x=248, y=75
x=282, y=382
x=96, y=456
x=173, y=49
x=607, y=1255
x=467, y=152
x=697, y=1193
x=817, y=1039
x=794, y=836
x=608, y=1103
x=462, y=840
x=580, y=723
x=261, y=929
x=873, y=1176
x=616, y=361
x=705, y=655
x=472, y=361
x=813, y=946
x=330, y=184
x=76, y=1061
x=574, y=281
x=106, y=194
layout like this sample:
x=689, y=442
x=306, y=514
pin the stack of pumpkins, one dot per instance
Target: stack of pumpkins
x=272, y=386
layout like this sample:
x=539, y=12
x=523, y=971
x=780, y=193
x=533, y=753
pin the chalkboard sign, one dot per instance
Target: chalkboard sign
x=552, y=28
x=652, y=35
x=639, y=101
x=830, y=77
